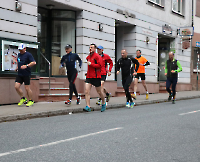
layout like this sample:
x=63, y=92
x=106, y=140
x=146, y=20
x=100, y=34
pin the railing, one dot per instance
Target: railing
x=49, y=69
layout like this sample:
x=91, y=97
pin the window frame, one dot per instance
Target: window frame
x=14, y=42
x=177, y=6
x=157, y=4
x=196, y=52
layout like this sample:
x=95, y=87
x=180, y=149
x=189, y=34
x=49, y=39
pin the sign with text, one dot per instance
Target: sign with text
x=147, y=32
x=166, y=29
x=197, y=44
x=186, y=31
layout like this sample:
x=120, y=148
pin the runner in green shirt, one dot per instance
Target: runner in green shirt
x=172, y=68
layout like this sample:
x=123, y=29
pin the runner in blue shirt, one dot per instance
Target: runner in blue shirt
x=69, y=60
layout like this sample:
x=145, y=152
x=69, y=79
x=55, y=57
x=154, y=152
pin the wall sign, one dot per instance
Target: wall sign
x=125, y=13
x=186, y=31
x=147, y=32
x=166, y=29
x=197, y=44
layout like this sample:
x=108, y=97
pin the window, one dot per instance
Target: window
x=10, y=53
x=63, y=32
x=197, y=8
x=42, y=37
x=196, y=60
x=177, y=6
x=157, y=2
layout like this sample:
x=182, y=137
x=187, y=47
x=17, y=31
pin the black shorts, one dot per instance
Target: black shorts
x=21, y=79
x=141, y=75
x=94, y=81
x=103, y=77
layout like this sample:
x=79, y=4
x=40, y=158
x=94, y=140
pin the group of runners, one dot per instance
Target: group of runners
x=97, y=73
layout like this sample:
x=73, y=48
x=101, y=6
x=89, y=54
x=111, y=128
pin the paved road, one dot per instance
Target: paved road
x=162, y=132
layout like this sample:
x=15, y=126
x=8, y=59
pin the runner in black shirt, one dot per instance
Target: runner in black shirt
x=69, y=60
x=127, y=65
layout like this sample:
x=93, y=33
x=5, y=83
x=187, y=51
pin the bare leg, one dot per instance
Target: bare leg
x=135, y=85
x=29, y=92
x=144, y=84
x=87, y=93
x=103, y=89
x=99, y=91
x=18, y=89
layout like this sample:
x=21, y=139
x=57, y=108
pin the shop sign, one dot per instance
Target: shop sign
x=197, y=44
x=186, y=31
x=166, y=29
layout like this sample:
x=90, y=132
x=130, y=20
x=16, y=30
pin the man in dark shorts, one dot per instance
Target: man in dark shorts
x=127, y=65
x=104, y=71
x=25, y=61
x=140, y=73
x=93, y=77
x=69, y=60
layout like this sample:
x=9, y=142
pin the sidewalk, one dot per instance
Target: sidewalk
x=46, y=109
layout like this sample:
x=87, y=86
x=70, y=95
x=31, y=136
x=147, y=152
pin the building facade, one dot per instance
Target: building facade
x=195, y=47
x=46, y=26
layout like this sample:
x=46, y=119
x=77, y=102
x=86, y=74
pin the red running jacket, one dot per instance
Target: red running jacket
x=94, y=69
x=106, y=59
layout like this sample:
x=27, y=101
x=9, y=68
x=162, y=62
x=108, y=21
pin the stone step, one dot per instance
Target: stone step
x=162, y=88
x=58, y=97
x=54, y=90
x=46, y=79
x=163, y=91
x=162, y=84
x=52, y=85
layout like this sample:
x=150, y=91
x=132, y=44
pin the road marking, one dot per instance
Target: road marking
x=57, y=142
x=190, y=112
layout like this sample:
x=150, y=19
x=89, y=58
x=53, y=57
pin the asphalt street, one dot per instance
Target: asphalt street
x=161, y=132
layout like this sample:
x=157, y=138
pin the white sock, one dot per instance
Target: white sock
x=147, y=92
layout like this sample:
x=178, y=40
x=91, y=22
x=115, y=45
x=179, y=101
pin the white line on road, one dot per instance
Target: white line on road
x=190, y=112
x=57, y=142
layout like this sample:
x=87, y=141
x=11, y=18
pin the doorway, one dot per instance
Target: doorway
x=124, y=39
x=56, y=28
x=165, y=45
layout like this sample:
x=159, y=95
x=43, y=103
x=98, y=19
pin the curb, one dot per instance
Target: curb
x=80, y=110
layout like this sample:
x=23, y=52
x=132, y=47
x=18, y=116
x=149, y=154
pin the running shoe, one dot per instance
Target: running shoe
x=132, y=104
x=103, y=107
x=22, y=101
x=127, y=104
x=30, y=103
x=87, y=109
x=98, y=102
x=147, y=96
x=173, y=101
x=68, y=102
x=108, y=97
x=133, y=96
x=170, y=97
x=78, y=100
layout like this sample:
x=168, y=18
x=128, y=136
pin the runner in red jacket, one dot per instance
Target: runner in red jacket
x=104, y=71
x=93, y=77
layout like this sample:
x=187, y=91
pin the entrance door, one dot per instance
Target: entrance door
x=63, y=34
x=163, y=50
x=56, y=29
x=124, y=36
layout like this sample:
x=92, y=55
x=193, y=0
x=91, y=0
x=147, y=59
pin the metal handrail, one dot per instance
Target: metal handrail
x=49, y=69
